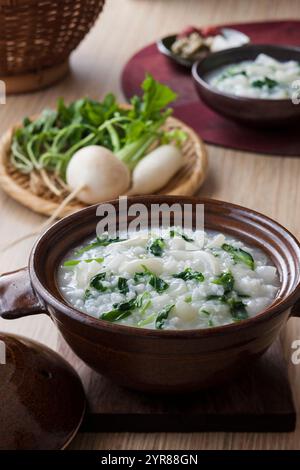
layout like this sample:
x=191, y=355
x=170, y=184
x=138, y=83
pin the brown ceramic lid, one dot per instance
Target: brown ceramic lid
x=42, y=398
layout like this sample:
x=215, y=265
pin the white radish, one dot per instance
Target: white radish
x=185, y=311
x=136, y=265
x=94, y=174
x=155, y=170
x=100, y=174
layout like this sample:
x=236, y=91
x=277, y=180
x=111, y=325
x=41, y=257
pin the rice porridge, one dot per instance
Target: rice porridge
x=168, y=279
x=264, y=77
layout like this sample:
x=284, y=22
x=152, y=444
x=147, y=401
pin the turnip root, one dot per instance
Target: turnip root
x=100, y=174
x=156, y=169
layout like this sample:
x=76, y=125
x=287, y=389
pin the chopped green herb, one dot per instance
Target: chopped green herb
x=226, y=280
x=147, y=320
x=72, y=262
x=87, y=294
x=100, y=241
x=237, y=310
x=157, y=247
x=186, y=238
x=206, y=312
x=75, y=262
x=231, y=73
x=119, y=311
x=128, y=305
x=188, y=299
x=173, y=233
x=115, y=315
x=123, y=285
x=210, y=323
x=268, y=82
x=96, y=282
x=143, y=302
x=188, y=275
x=236, y=306
x=239, y=255
x=98, y=260
x=156, y=282
x=162, y=316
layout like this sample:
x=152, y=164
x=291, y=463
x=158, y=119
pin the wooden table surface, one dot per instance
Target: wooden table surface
x=265, y=183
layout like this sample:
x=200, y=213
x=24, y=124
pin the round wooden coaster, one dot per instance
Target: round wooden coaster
x=19, y=186
x=33, y=81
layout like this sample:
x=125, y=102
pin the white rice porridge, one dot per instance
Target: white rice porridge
x=168, y=279
x=264, y=77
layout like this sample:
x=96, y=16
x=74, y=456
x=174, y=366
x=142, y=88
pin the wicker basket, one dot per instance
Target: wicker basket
x=37, y=37
x=21, y=187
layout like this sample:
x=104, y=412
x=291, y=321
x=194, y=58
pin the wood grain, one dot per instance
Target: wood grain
x=243, y=404
x=265, y=183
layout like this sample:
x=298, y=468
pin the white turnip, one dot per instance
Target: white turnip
x=99, y=173
x=155, y=170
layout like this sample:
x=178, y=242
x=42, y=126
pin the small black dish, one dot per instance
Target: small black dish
x=164, y=46
x=250, y=111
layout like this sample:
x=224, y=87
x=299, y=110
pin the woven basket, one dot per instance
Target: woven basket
x=186, y=182
x=38, y=35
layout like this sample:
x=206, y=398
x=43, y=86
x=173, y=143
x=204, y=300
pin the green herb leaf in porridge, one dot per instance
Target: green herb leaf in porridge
x=173, y=233
x=100, y=241
x=237, y=309
x=96, y=282
x=188, y=275
x=143, y=302
x=120, y=311
x=233, y=300
x=156, y=282
x=226, y=280
x=163, y=316
x=265, y=82
x=157, y=247
x=71, y=262
x=239, y=255
x=75, y=262
x=115, y=315
x=206, y=312
x=87, y=294
x=123, y=285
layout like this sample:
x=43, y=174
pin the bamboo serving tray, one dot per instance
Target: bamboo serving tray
x=19, y=186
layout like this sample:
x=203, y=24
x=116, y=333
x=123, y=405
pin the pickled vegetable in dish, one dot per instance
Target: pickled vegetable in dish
x=168, y=279
x=195, y=43
x=264, y=77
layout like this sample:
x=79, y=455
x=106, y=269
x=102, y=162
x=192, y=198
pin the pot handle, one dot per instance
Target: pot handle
x=17, y=298
x=295, y=311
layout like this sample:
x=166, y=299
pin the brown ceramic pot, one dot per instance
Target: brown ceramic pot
x=251, y=111
x=155, y=360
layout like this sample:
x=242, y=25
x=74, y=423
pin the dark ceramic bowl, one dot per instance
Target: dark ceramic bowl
x=164, y=46
x=253, y=111
x=156, y=360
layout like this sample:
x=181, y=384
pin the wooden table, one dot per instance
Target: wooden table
x=265, y=183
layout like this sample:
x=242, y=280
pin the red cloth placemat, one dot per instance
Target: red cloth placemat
x=213, y=128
